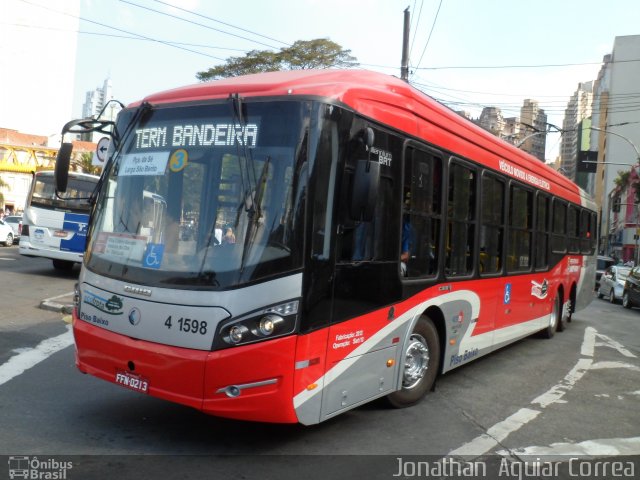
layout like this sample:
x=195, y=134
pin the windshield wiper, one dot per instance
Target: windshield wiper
x=254, y=212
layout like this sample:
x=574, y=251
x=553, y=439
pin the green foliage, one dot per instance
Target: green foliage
x=85, y=164
x=303, y=54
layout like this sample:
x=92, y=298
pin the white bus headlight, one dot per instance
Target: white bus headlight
x=236, y=333
x=268, y=324
x=271, y=322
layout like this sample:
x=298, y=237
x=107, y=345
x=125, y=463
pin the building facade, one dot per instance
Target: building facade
x=616, y=135
x=23, y=154
x=95, y=101
x=533, y=121
x=578, y=108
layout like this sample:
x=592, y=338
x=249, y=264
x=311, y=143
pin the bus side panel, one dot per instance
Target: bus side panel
x=261, y=372
x=173, y=373
x=309, y=374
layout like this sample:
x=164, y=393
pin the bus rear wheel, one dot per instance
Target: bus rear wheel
x=421, y=365
x=554, y=319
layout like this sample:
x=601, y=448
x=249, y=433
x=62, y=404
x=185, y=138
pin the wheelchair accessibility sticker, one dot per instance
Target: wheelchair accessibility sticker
x=153, y=255
x=507, y=293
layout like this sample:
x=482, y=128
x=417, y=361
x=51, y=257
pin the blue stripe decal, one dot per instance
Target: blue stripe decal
x=78, y=224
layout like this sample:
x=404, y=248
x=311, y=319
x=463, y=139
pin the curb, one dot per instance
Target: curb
x=62, y=303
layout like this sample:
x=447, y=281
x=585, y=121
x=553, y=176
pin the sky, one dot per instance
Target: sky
x=467, y=53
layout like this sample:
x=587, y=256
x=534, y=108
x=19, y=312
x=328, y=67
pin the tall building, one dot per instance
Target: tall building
x=95, y=101
x=617, y=139
x=491, y=119
x=578, y=108
x=533, y=120
x=38, y=41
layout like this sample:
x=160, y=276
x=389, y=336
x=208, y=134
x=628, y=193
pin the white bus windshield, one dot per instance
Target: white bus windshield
x=75, y=199
x=200, y=198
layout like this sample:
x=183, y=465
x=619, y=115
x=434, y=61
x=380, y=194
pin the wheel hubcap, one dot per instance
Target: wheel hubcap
x=416, y=361
x=554, y=315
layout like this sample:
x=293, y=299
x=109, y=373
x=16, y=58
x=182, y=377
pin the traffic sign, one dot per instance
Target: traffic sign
x=102, y=148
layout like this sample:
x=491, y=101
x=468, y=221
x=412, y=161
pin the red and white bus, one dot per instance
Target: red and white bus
x=349, y=238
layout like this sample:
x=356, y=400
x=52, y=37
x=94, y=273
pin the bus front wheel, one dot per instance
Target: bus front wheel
x=421, y=365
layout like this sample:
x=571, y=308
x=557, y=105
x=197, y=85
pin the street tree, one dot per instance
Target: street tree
x=303, y=54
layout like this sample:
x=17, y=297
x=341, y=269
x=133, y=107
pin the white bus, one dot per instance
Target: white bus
x=55, y=225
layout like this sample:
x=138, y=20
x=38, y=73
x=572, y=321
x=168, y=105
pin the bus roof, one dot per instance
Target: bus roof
x=378, y=96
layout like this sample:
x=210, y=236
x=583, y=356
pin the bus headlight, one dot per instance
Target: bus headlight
x=268, y=324
x=272, y=322
x=236, y=333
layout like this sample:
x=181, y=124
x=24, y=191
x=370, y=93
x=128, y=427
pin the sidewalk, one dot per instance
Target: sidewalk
x=61, y=303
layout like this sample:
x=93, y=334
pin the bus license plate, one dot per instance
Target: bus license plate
x=132, y=381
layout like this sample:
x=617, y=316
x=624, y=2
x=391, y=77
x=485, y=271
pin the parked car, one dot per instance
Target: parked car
x=6, y=234
x=601, y=266
x=612, y=282
x=15, y=222
x=631, y=292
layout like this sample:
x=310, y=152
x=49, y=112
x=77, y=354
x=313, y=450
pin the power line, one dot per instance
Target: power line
x=220, y=21
x=124, y=31
x=198, y=24
x=126, y=37
x=415, y=28
x=548, y=65
x=429, y=37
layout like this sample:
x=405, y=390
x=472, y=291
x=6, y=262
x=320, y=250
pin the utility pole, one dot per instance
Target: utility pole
x=404, y=67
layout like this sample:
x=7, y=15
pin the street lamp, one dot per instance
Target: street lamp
x=635, y=148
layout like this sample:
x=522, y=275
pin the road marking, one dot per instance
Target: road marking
x=496, y=434
x=501, y=430
x=598, y=447
x=555, y=393
x=28, y=358
x=8, y=259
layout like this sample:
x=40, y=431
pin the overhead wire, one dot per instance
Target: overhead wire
x=197, y=23
x=415, y=27
x=123, y=31
x=433, y=25
x=221, y=22
x=125, y=37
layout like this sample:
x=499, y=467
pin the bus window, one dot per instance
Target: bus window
x=520, y=223
x=492, y=226
x=558, y=239
x=461, y=220
x=421, y=214
x=573, y=230
x=542, y=232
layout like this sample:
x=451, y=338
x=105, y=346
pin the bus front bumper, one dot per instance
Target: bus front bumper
x=252, y=382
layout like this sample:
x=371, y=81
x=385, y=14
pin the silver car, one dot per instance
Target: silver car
x=612, y=282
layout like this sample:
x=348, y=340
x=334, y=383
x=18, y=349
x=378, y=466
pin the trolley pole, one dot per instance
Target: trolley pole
x=404, y=67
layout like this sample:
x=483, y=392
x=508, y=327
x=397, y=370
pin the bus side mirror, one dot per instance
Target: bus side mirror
x=62, y=166
x=365, y=190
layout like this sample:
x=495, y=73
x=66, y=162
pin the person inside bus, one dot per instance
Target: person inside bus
x=229, y=237
x=407, y=244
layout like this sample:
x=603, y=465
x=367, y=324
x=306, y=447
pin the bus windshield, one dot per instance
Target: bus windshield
x=203, y=196
x=75, y=199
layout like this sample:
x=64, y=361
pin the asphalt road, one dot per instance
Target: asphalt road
x=576, y=394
